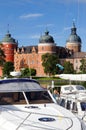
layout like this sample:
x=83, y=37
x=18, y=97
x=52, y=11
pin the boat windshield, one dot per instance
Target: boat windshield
x=38, y=97
x=33, y=97
x=79, y=87
x=83, y=106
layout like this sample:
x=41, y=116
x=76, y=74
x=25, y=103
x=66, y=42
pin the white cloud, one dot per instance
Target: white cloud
x=34, y=36
x=67, y=28
x=45, y=25
x=31, y=16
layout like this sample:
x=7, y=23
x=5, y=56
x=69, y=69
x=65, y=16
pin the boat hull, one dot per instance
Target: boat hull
x=37, y=117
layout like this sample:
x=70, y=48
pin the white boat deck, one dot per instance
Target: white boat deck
x=43, y=114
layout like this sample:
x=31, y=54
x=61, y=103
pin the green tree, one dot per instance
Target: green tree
x=7, y=68
x=49, y=62
x=68, y=68
x=27, y=72
x=33, y=72
x=2, y=56
x=83, y=66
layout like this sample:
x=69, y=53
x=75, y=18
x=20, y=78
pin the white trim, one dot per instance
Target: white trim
x=73, y=43
x=46, y=52
x=47, y=44
x=9, y=43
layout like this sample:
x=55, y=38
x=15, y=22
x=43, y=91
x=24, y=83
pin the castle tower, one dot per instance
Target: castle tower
x=46, y=44
x=9, y=44
x=73, y=42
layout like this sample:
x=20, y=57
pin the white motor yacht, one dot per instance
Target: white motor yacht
x=25, y=105
x=73, y=98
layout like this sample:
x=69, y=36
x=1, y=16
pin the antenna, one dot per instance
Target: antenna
x=74, y=20
x=7, y=28
x=46, y=28
x=74, y=23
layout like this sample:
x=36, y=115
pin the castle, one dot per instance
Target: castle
x=30, y=56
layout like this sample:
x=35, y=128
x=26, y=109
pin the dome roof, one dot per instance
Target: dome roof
x=46, y=38
x=74, y=38
x=8, y=38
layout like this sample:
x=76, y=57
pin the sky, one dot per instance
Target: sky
x=27, y=20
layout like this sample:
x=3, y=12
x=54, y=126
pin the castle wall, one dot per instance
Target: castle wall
x=9, y=51
x=75, y=47
x=30, y=60
x=46, y=48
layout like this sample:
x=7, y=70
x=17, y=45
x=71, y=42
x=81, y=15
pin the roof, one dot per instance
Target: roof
x=28, y=49
x=9, y=39
x=19, y=85
x=73, y=38
x=46, y=38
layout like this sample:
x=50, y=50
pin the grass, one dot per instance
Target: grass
x=45, y=81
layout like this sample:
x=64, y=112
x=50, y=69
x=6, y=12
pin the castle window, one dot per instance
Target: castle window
x=32, y=62
x=76, y=61
x=42, y=48
x=76, y=67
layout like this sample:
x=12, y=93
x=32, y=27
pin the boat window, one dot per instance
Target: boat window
x=79, y=87
x=74, y=107
x=62, y=102
x=83, y=106
x=38, y=97
x=18, y=97
x=69, y=88
x=12, y=98
x=68, y=105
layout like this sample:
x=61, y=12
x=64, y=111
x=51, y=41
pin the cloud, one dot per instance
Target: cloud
x=34, y=36
x=45, y=25
x=67, y=28
x=31, y=16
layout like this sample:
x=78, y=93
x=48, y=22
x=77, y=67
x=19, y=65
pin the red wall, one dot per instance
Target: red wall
x=9, y=51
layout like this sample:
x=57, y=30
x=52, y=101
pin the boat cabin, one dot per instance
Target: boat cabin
x=70, y=88
x=23, y=91
x=75, y=100
x=25, y=105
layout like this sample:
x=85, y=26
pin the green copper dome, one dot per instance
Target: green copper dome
x=8, y=38
x=46, y=38
x=73, y=38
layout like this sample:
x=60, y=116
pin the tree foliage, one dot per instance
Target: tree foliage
x=49, y=62
x=68, y=68
x=83, y=66
x=2, y=56
x=27, y=72
x=7, y=68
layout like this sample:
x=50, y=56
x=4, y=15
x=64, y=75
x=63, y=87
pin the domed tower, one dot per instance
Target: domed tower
x=46, y=44
x=74, y=41
x=9, y=44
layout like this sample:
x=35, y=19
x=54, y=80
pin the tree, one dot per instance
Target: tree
x=68, y=68
x=27, y=72
x=83, y=66
x=33, y=72
x=7, y=68
x=49, y=62
x=2, y=56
